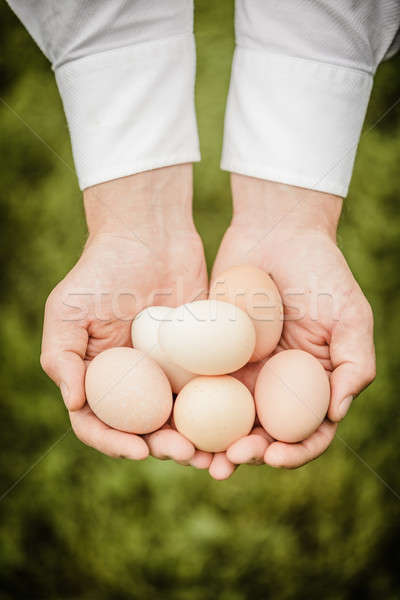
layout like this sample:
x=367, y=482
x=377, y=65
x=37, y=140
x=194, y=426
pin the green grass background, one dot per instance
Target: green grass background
x=83, y=526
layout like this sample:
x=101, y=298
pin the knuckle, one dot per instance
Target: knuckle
x=46, y=362
x=79, y=429
x=78, y=433
x=368, y=313
x=370, y=372
x=100, y=441
x=361, y=312
x=96, y=438
x=76, y=429
x=367, y=373
x=52, y=300
x=82, y=435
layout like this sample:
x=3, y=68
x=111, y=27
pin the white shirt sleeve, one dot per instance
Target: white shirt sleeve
x=125, y=70
x=301, y=79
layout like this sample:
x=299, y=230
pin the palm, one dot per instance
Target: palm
x=321, y=301
x=115, y=278
x=315, y=283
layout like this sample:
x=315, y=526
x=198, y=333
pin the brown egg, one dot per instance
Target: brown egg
x=253, y=290
x=214, y=412
x=128, y=391
x=292, y=395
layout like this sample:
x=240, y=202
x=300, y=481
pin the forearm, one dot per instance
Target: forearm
x=282, y=209
x=151, y=202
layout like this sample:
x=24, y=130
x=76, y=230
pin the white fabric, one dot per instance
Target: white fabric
x=304, y=123
x=122, y=122
x=301, y=79
x=125, y=70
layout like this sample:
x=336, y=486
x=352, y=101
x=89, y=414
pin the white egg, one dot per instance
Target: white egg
x=145, y=329
x=208, y=337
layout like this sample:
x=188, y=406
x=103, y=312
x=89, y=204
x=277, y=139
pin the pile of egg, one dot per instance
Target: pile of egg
x=191, y=352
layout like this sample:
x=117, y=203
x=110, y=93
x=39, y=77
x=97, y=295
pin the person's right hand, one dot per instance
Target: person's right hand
x=141, y=235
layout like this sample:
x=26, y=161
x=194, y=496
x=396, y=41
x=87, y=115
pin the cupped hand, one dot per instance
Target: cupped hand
x=292, y=236
x=142, y=250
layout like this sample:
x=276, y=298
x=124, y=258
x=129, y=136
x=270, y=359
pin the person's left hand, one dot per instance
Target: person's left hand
x=325, y=312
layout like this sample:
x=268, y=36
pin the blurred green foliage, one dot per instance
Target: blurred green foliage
x=83, y=526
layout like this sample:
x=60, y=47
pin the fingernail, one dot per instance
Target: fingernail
x=344, y=406
x=64, y=392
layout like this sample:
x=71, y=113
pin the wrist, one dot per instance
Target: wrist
x=151, y=202
x=282, y=209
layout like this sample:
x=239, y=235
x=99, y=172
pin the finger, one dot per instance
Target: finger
x=248, y=450
x=220, y=467
x=64, y=346
x=291, y=456
x=248, y=374
x=201, y=460
x=258, y=430
x=353, y=358
x=167, y=444
x=93, y=432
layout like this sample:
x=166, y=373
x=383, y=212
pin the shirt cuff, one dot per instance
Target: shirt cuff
x=131, y=109
x=294, y=120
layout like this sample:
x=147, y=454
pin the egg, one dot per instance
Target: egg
x=208, y=337
x=145, y=330
x=128, y=391
x=214, y=412
x=292, y=395
x=253, y=290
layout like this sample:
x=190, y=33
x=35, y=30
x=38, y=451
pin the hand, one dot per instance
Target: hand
x=290, y=232
x=167, y=443
x=141, y=234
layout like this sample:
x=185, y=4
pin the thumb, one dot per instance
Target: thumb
x=64, y=346
x=353, y=358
